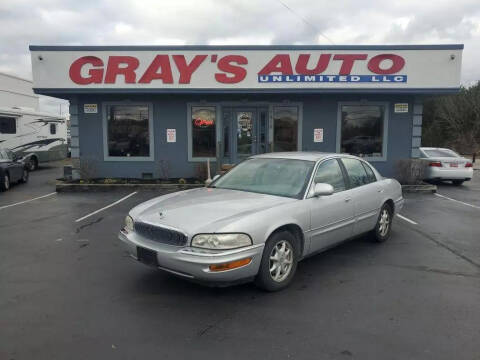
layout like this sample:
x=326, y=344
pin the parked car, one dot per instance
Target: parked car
x=12, y=169
x=446, y=164
x=262, y=217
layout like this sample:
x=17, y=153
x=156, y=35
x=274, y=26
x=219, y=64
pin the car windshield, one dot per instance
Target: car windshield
x=281, y=177
x=440, y=153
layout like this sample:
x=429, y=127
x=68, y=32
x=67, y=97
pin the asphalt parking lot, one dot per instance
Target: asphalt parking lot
x=67, y=291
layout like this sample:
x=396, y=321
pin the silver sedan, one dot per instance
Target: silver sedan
x=445, y=164
x=261, y=218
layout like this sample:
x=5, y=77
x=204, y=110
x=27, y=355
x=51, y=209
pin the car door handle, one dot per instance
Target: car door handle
x=348, y=199
x=381, y=190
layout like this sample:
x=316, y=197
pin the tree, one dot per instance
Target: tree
x=453, y=121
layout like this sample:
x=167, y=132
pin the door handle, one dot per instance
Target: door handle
x=348, y=199
x=381, y=190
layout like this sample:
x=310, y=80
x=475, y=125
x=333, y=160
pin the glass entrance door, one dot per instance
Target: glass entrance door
x=245, y=132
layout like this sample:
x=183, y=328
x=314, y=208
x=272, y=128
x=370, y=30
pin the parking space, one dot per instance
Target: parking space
x=68, y=291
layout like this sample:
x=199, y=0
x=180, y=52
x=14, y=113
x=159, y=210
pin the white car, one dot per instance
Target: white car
x=262, y=217
x=446, y=164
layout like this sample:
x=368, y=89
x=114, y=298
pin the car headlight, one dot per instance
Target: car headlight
x=221, y=241
x=129, y=223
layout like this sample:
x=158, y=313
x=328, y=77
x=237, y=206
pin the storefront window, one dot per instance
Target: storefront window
x=128, y=130
x=362, y=130
x=203, y=131
x=285, y=128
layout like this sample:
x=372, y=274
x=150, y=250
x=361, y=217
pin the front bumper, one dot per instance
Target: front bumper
x=192, y=263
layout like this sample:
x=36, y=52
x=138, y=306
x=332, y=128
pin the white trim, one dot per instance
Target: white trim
x=107, y=157
x=106, y=207
x=386, y=117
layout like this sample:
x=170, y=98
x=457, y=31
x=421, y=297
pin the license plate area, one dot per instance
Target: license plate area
x=147, y=256
x=455, y=165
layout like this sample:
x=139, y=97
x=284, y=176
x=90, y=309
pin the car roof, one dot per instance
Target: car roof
x=300, y=155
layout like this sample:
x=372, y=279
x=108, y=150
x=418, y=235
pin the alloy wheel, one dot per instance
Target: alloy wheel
x=384, y=223
x=281, y=261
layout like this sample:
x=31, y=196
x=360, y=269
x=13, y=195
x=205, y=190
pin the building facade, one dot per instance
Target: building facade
x=142, y=112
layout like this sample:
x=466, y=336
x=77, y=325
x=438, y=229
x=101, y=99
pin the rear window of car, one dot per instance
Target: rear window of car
x=440, y=153
x=370, y=174
x=356, y=172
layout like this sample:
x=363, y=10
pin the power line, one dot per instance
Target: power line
x=306, y=21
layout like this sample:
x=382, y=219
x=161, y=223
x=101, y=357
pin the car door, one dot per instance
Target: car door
x=365, y=192
x=332, y=216
x=14, y=168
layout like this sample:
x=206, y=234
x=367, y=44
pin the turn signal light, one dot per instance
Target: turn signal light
x=468, y=164
x=230, y=265
x=435, y=164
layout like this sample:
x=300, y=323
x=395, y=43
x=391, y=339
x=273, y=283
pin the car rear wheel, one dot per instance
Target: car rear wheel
x=383, y=227
x=457, y=182
x=5, y=183
x=33, y=164
x=279, y=262
x=24, y=178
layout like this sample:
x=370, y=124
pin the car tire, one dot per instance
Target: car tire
x=33, y=164
x=5, y=183
x=25, y=176
x=457, y=182
x=277, y=274
x=383, y=227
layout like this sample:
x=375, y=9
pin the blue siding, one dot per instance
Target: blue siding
x=170, y=111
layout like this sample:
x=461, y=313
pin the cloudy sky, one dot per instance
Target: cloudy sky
x=186, y=22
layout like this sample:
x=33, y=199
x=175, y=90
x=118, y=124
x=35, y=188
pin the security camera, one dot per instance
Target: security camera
x=452, y=57
x=40, y=57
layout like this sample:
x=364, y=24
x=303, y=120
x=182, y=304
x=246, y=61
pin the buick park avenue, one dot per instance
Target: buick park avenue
x=261, y=218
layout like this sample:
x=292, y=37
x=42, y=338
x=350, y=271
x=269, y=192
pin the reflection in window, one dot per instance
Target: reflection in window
x=285, y=120
x=53, y=129
x=329, y=172
x=7, y=125
x=356, y=172
x=203, y=131
x=362, y=130
x=128, y=130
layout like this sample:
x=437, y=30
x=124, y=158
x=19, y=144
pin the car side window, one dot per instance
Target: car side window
x=356, y=172
x=8, y=155
x=329, y=172
x=370, y=174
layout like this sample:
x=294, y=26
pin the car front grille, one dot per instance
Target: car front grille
x=160, y=234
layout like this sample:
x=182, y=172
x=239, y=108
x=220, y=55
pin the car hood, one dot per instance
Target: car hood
x=204, y=209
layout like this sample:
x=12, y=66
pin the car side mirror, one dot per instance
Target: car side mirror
x=215, y=177
x=322, y=189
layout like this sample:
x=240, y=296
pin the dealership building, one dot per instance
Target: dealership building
x=155, y=111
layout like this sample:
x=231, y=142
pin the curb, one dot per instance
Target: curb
x=64, y=187
x=419, y=188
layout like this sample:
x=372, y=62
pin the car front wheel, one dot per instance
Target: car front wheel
x=279, y=262
x=5, y=183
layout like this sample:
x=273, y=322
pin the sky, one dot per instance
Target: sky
x=234, y=22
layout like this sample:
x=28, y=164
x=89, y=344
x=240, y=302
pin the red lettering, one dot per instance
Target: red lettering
x=280, y=63
x=114, y=69
x=95, y=75
x=347, y=61
x=161, y=62
x=302, y=62
x=398, y=63
x=239, y=73
x=186, y=70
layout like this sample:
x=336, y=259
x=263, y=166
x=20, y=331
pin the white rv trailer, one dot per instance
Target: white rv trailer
x=35, y=136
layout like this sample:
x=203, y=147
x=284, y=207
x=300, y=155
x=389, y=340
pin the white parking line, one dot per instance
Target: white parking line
x=26, y=201
x=106, y=207
x=407, y=219
x=458, y=201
